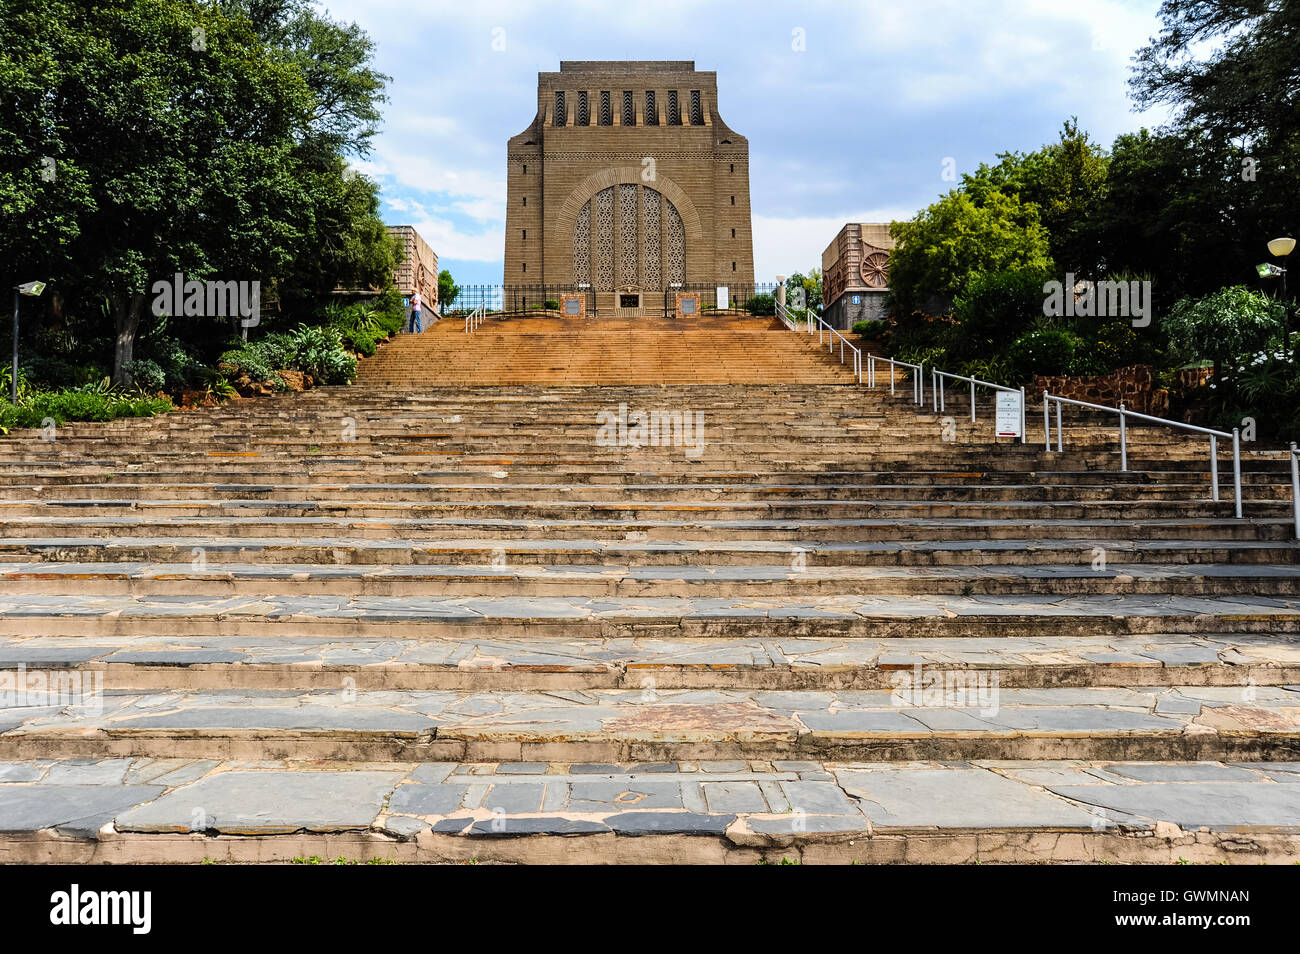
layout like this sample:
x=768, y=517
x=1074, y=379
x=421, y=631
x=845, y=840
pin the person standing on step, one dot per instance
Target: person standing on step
x=415, y=313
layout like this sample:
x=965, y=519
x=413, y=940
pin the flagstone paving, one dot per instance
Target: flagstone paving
x=439, y=624
x=741, y=801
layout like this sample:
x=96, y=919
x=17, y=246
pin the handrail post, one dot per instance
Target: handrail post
x=1024, y=428
x=1123, y=439
x=1214, y=468
x=1047, y=423
x=934, y=390
x=972, y=402
x=1060, y=430
x=1295, y=488
x=1236, y=468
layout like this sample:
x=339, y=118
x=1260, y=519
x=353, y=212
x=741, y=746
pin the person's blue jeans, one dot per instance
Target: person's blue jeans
x=415, y=321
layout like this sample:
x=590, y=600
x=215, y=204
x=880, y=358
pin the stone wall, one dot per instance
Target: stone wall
x=1137, y=387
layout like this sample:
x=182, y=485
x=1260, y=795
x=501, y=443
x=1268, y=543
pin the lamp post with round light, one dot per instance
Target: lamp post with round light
x=1281, y=248
x=31, y=289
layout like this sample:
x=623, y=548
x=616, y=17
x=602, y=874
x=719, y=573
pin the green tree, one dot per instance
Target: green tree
x=1066, y=180
x=1230, y=67
x=941, y=250
x=182, y=141
x=448, y=290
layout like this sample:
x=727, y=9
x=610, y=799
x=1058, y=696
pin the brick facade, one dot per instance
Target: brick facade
x=638, y=197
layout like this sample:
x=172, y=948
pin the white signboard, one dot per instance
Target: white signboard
x=723, y=292
x=1009, y=413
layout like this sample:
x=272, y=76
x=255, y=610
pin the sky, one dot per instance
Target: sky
x=853, y=111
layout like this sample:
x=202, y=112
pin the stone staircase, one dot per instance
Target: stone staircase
x=452, y=622
x=602, y=351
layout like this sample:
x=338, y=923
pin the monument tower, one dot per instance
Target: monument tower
x=628, y=180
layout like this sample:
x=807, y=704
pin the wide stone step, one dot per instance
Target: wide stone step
x=185, y=663
x=607, y=617
x=328, y=528
x=26, y=512
x=793, y=578
x=395, y=494
x=967, y=719
x=743, y=811
x=357, y=551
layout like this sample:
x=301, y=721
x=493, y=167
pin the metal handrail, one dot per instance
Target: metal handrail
x=918, y=375
x=1125, y=414
x=475, y=318
x=783, y=313
x=940, y=405
x=1295, y=488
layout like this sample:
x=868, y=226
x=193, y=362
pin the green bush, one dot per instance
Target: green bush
x=1050, y=350
x=999, y=307
x=761, y=305
x=78, y=404
x=147, y=375
x=552, y=304
x=867, y=328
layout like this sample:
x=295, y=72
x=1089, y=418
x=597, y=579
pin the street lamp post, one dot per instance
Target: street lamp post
x=32, y=289
x=1281, y=248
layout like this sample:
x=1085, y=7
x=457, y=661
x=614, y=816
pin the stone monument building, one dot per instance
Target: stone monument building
x=855, y=274
x=629, y=182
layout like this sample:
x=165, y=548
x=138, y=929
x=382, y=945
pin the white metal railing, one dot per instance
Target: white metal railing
x=475, y=318
x=824, y=333
x=1124, y=415
x=937, y=391
x=1295, y=489
x=918, y=375
x=786, y=318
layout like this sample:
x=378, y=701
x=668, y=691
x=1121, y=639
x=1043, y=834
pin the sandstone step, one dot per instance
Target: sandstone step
x=692, y=582
x=604, y=617
x=1185, y=723
x=877, y=529
x=360, y=551
x=682, y=811
x=184, y=663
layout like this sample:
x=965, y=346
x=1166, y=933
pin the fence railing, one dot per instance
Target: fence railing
x=1295, y=489
x=940, y=404
x=1125, y=415
x=825, y=333
x=918, y=375
x=474, y=319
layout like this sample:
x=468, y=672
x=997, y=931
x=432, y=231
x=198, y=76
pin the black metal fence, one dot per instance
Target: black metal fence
x=543, y=299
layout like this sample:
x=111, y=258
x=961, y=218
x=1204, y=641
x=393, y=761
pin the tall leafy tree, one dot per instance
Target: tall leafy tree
x=185, y=138
x=946, y=245
x=1230, y=67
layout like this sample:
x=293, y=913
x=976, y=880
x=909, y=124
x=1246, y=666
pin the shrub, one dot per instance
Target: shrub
x=1043, y=351
x=761, y=305
x=552, y=304
x=867, y=328
x=999, y=307
x=147, y=375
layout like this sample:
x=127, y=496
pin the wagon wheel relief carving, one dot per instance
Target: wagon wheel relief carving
x=875, y=270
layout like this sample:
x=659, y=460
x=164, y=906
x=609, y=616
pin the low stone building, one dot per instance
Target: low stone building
x=855, y=274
